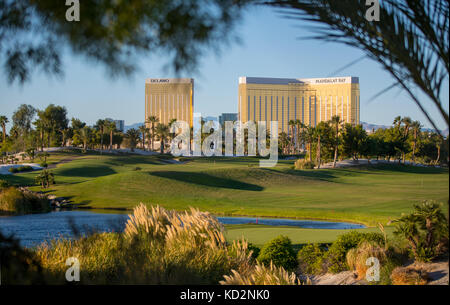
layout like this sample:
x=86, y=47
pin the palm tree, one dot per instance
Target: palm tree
x=45, y=178
x=143, y=130
x=336, y=122
x=85, y=134
x=153, y=120
x=3, y=121
x=299, y=126
x=133, y=136
x=416, y=127
x=292, y=124
x=162, y=131
x=101, y=124
x=308, y=137
x=111, y=127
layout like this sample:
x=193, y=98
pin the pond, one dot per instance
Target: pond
x=36, y=228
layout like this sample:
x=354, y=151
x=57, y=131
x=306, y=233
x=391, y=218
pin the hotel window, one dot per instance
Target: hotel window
x=303, y=109
x=248, y=109
x=265, y=111
x=295, y=106
x=271, y=108
x=254, y=108
x=260, y=108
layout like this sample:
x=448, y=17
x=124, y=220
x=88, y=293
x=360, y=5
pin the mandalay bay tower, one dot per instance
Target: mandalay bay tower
x=308, y=100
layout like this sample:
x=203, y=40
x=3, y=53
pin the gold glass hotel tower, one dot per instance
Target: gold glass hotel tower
x=308, y=100
x=169, y=98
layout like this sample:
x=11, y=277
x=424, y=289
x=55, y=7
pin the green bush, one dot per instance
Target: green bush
x=44, y=164
x=25, y=168
x=14, y=201
x=426, y=230
x=335, y=257
x=256, y=250
x=304, y=164
x=310, y=258
x=4, y=184
x=280, y=252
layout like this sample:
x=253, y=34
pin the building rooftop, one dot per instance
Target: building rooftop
x=286, y=81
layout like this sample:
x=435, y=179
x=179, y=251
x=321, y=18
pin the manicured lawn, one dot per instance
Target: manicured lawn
x=237, y=186
x=259, y=235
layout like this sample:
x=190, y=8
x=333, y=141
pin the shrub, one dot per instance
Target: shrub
x=156, y=247
x=25, y=168
x=425, y=229
x=280, y=252
x=357, y=257
x=304, y=164
x=44, y=164
x=137, y=168
x=335, y=257
x=262, y=275
x=310, y=259
x=255, y=250
x=4, y=184
x=14, y=201
x=409, y=276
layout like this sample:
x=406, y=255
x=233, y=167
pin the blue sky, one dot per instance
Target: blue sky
x=270, y=48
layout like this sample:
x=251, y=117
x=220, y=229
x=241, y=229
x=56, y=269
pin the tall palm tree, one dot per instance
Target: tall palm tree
x=291, y=125
x=101, y=124
x=85, y=134
x=336, y=123
x=308, y=137
x=133, y=136
x=144, y=131
x=153, y=120
x=162, y=131
x=416, y=127
x=298, y=129
x=111, y=127
x=407, y=124
x=3, y=121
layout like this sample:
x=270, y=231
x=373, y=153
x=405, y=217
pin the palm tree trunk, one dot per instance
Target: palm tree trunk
x=110, y=140
x=318, y=152
x=161, y=146
x=4, y=132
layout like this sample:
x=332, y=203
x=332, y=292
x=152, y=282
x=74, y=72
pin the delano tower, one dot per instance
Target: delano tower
x=308, y=100
x=169, y=98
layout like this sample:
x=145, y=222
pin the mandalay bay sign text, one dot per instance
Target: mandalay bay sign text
x=235, y=135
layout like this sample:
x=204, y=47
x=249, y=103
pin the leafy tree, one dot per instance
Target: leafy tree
x=111, y=32
x=353, y=138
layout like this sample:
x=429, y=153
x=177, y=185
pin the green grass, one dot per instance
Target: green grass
x=237, y=186
x=259, y=234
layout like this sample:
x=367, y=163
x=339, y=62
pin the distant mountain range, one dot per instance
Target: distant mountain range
x=370, y=127
x=366, y=126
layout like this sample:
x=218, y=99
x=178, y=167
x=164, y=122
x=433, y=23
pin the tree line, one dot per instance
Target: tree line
x=33, y=129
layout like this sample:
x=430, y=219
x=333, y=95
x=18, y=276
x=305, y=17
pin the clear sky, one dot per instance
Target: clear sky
x=269, y=48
